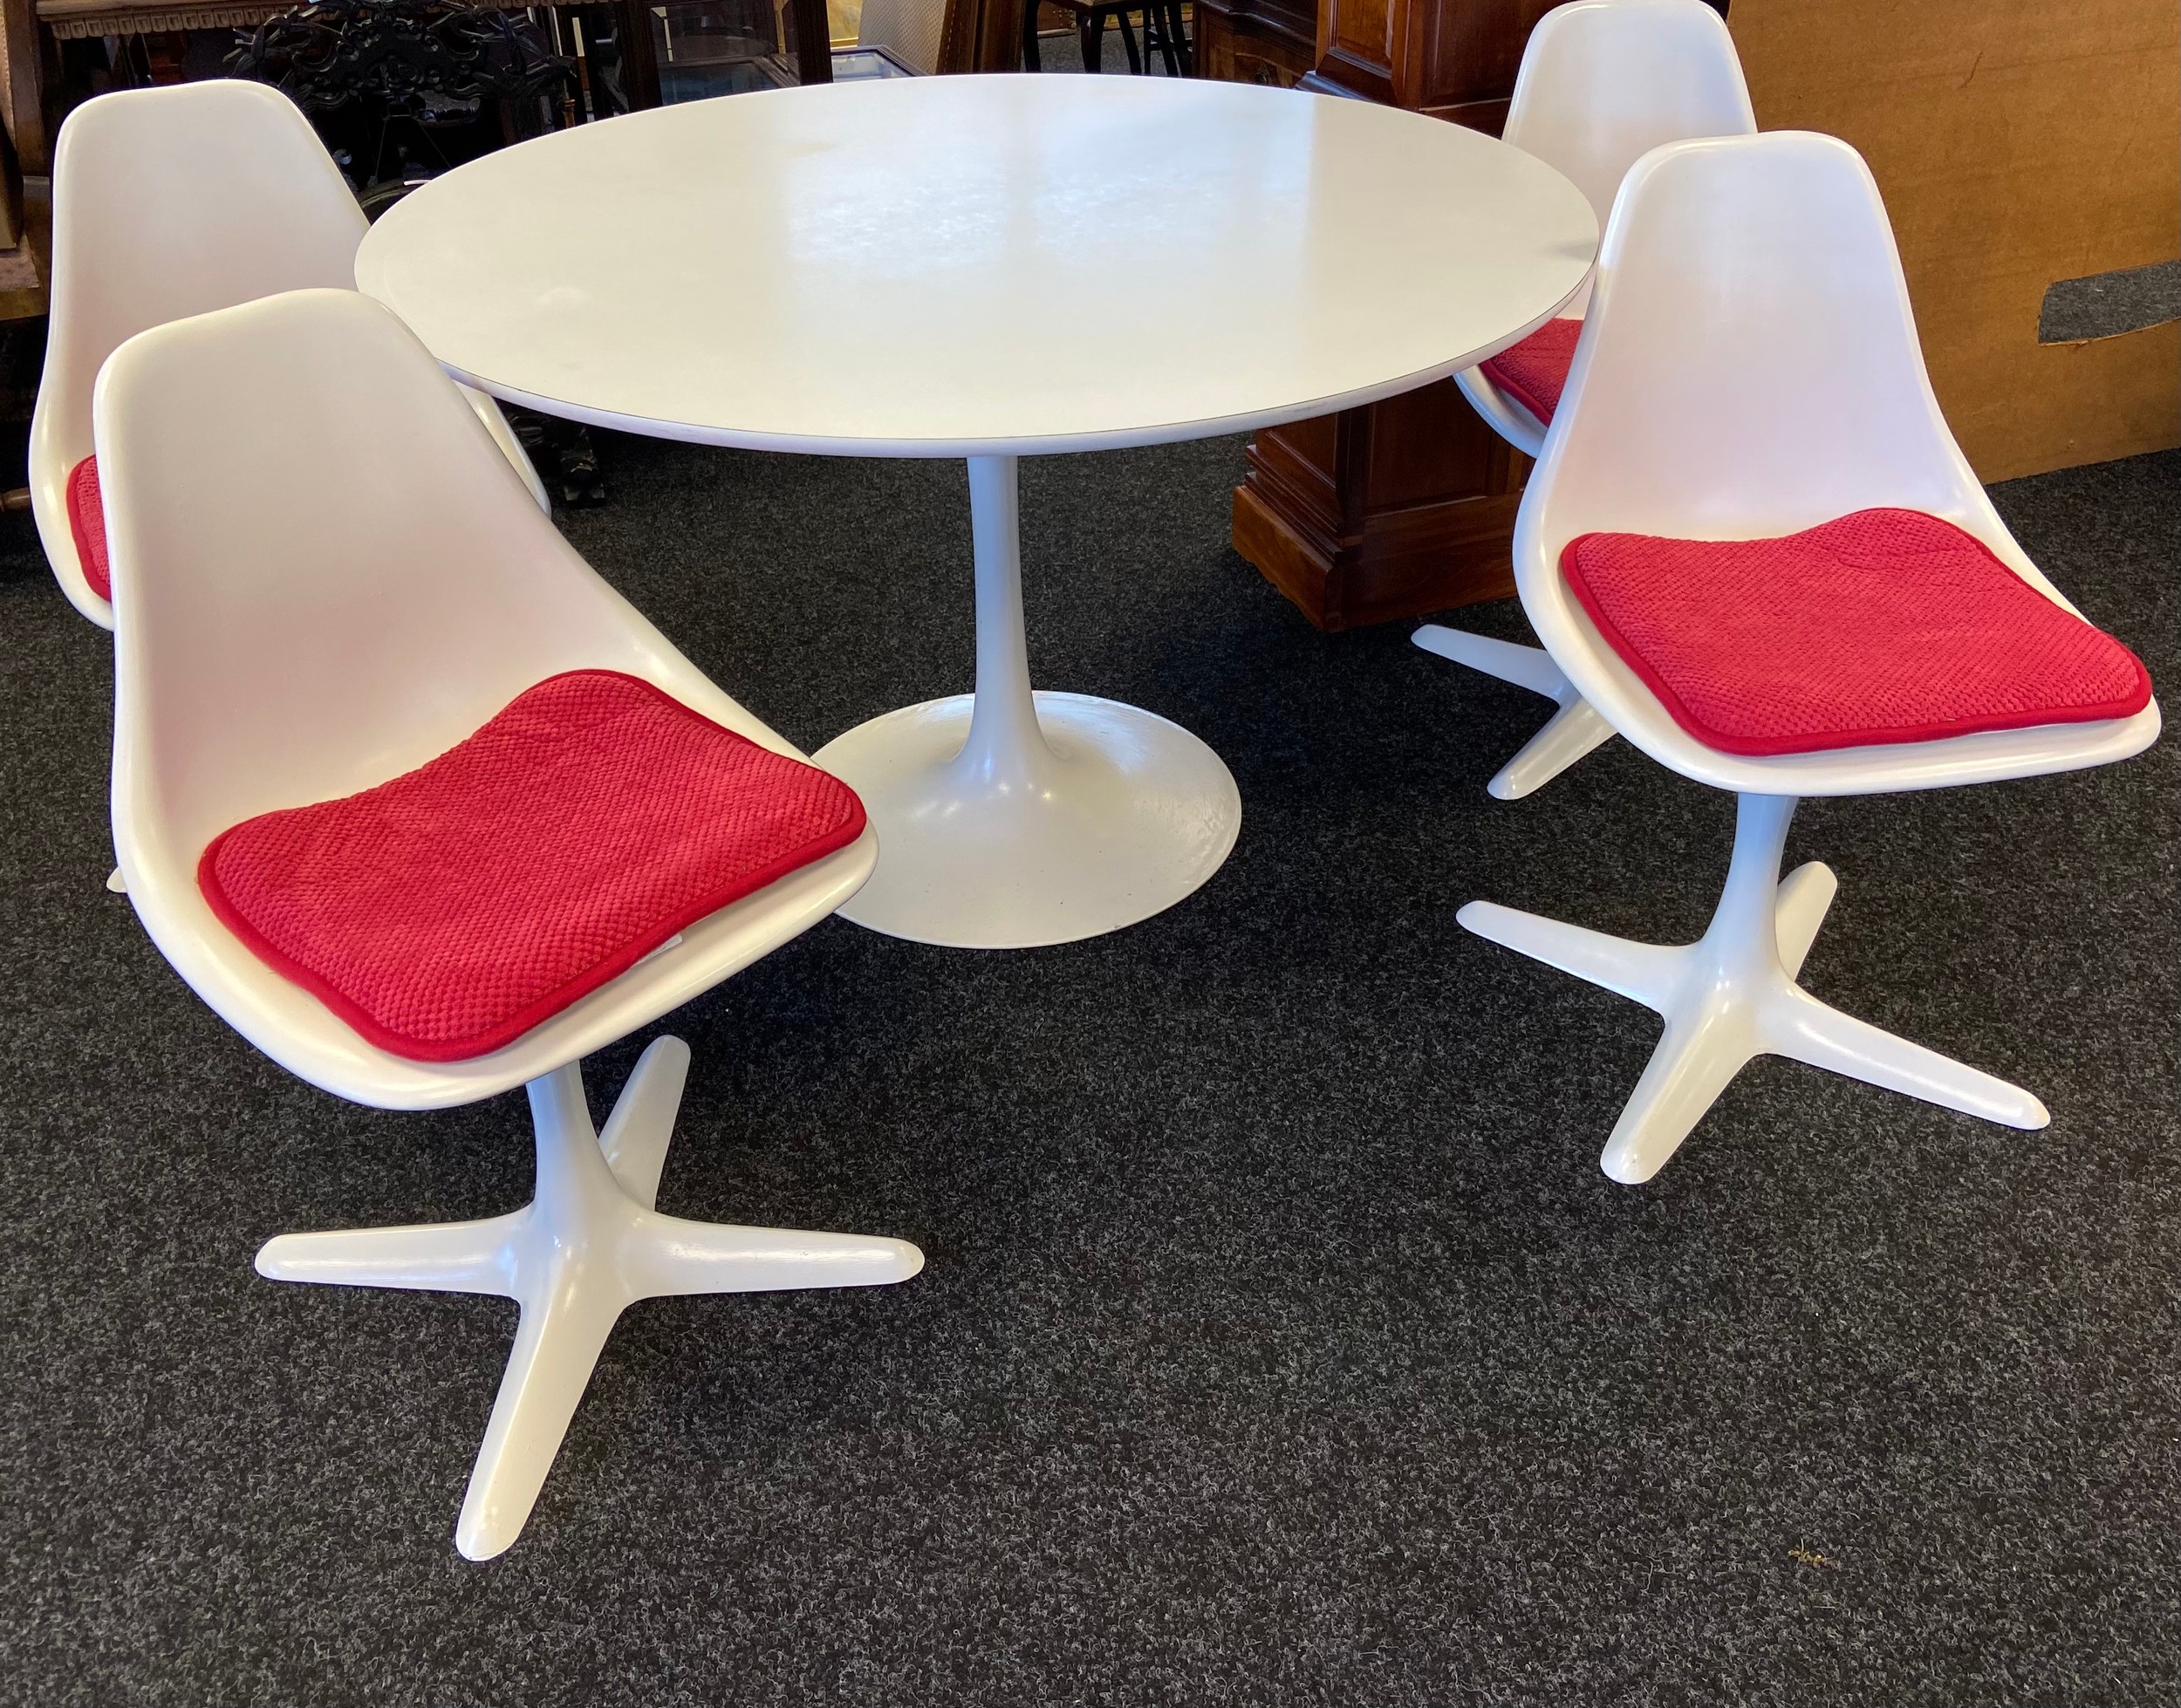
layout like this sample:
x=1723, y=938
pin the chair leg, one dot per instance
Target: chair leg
x=642, y=1124
x=1645, y=973
x=1575, y=729
x=1091, y=35
x=432, y=1257
x=1732, y=995
x=1808, y=1030
x=587, y=1246
x=556, y=1345
x=1182, y=43
x=1806, y=896
x=1032, y=59
x=1128, y=42
x=1158, y=25
x=1702, y=1050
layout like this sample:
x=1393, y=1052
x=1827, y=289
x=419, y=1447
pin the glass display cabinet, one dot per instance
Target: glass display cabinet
x=704, y=48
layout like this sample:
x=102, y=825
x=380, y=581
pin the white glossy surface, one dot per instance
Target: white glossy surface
x=905, y=267
x=588, y=1245
x=437, y=593
x=1733, y=996
x=167, y=202
x=1120, y=815
x=1501, y=412
x=1603, y=83
x=881, y=269
x=1009, y=820
x=1749, y=368
x=1574, y=730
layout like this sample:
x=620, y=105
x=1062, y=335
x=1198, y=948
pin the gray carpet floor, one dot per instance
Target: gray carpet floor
x=1281, y=1341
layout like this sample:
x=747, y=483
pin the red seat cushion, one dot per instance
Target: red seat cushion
x=445, y=913
x=1534, y=372
x=1881, y=626
x=88, y=524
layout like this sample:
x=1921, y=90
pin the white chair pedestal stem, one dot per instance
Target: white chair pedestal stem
x=1574, y=730
x=1732, y=995
x=587, y=1246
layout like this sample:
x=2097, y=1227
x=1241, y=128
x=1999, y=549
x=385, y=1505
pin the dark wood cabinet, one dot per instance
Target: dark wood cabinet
x=1387, y=511
x=1256, y=41
x=1451, y=59
x=1406, y=506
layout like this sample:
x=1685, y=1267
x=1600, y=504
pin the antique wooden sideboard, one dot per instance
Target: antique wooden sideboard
x=1407, y=506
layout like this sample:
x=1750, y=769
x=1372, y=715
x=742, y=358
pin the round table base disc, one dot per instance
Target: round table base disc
x=1132, y=814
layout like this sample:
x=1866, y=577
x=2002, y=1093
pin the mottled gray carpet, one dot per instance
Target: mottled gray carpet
x=1281, y=1341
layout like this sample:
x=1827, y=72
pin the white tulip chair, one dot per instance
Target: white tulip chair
x=167, y=202
x=1603, y=82
x=331, y=591
x=1750, y=369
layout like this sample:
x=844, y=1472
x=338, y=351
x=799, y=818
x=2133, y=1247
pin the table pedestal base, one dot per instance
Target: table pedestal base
x=1124, y=815
x=1007, y=819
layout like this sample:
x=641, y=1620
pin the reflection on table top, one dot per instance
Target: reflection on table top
x=957, y=265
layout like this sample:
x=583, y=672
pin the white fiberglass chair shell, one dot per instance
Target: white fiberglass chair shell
x=1751, y=368
x=1603, y=82
x=337, y=587
x=169, y=202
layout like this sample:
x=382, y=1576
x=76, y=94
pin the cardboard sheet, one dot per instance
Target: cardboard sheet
x=2017, y=143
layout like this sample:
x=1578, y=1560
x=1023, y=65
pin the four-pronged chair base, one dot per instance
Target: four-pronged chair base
x=587, y=1246
x=1733, y=996
x=1574, y=730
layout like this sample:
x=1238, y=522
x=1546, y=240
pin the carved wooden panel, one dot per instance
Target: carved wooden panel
x=1256, y=41
x=1389, y=511
x=1451, y=59
x=1406, y=506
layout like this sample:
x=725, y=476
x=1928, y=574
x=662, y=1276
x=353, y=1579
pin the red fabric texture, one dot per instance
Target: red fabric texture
x=447, y=912
x=1534, y=372
x=88, y=524
x=1876, y=627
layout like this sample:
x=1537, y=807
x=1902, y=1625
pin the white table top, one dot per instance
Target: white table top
x=979, y=265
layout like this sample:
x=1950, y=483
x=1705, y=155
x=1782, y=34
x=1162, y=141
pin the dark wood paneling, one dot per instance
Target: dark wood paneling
x=1408, y=505
x=1389, y=511
x=1451, y=59
x=1255, y=41
x=639, y=54
x=981, y=36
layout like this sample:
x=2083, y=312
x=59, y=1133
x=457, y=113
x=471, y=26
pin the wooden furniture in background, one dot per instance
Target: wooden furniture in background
x=1165, y=30
x=1408, y=505
x=18, y=100
x=2017, y=144
x=981, y=36
x=1256, y=41
x=36, y=94
x=1389, y=510
x=1451, y=58
x=35, y=28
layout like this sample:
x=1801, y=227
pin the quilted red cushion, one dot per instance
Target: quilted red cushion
x=445, y=913
x=1534, y=372
x=1884, y=626
x=87, y=523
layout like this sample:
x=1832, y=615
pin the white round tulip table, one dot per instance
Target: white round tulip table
x=894, y=269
